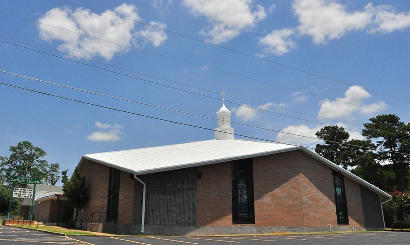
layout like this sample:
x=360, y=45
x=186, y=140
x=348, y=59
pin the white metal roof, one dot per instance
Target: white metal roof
x=43, y=191
x=170, y=157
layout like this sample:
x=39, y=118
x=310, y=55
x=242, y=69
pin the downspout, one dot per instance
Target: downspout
x=144, y=188
x=381, y=206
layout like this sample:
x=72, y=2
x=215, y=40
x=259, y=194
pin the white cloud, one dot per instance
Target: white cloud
x=278, y=42
x=102, y=125
x=271, y=8
x=204, y=67
x=269, y=105
x=112, y=135
x=299, y=97
x=386, y=19
x=247, y=113
x=326, y=20
x=161, y=4
x=227, y=18
x=300, y=130
x=353, y=134
x=85, y=34
x=351, y=103
x=285, y=135
x=153, y=33
x=109, y=132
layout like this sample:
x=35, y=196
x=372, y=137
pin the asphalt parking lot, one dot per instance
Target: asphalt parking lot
x=12, y=235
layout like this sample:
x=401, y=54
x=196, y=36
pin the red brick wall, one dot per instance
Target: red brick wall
x=290, y=189
x=43, y=214
x=354, y=203
x=97, y=177
x=293, y=189
x=126, y=199
x=214, y=196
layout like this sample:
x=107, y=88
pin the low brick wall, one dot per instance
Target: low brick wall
x=210, y=230
x=20, y=222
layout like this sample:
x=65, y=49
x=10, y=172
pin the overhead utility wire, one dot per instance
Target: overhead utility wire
x=65, y=29
x=130, y=76
x=191, y=63
x=137, y=114
x=149, y=116
x=25, y=46
x=167, y=108
x=143, y=103
x=244, y=53
x=187, y=62
x=184, y=61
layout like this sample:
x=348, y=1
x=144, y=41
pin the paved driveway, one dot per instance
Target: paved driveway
x=14, y=236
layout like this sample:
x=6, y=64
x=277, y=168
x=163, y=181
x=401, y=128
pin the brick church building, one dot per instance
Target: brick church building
x=224, y=186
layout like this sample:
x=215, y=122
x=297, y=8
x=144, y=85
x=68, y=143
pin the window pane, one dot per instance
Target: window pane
x=242, y=192
x=340, y=200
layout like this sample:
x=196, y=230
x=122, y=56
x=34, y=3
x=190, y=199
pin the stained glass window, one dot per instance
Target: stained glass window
x=340, y=200
x=242, y=192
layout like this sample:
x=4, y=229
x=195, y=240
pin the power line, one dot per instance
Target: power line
x=220, y=70
x=167, y=108
x=244, y=53
x=137, y=114
x=144, y=103
x=25, y=46
x=203, y=41
x=130, y=76
x=183, y=61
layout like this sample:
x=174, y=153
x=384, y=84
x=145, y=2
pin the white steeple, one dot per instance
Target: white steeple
x=224, y=130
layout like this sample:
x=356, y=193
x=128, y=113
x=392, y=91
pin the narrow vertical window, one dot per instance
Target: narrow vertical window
x=340, y=200
x=113, y=195
x=242, y=192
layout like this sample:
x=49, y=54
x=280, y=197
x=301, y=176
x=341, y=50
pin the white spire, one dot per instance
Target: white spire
x=224, y=130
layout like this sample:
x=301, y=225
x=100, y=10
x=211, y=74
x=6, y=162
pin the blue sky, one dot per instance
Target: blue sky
x=358, y=51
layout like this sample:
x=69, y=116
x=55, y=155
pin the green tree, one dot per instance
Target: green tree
x=3, y=176
x=5, y=193
x=362, y=156
x=25, y=159
x=64, y=177
x=53, y=174
x=76, y=189
x=335, y=148
x=28, y=160
x=392, y=138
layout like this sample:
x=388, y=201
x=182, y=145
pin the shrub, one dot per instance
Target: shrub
x=397, y=211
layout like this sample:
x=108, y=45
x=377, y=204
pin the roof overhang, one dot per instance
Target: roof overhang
x=194, y=164
x=316, y=156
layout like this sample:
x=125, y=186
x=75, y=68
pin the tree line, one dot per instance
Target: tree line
x=29, y=161
x=381, y=158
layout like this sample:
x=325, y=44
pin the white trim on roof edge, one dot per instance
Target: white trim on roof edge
x=227, y=159
x=346, y=172
x=175, y=167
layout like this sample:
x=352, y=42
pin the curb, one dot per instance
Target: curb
x=26, y=228
x=58, y=233
x=215, y=235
